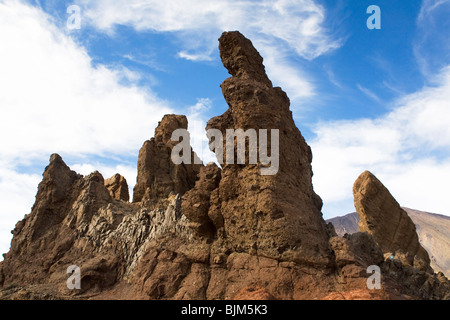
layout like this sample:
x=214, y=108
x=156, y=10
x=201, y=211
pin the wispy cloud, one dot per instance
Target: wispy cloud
x=299, y=23
x=275, y=26
x=431, y=46
x=332, y=77
x=368, y=93
x=195, y=56
x=408, y=149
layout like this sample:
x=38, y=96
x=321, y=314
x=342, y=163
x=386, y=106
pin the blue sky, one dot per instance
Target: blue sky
x=363, y=99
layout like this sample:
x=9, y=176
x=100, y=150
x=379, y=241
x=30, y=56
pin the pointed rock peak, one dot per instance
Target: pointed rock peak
x=365, y=178
x=158, y=175
x=95, y=176
x=382, y=217
x=275, y=215
x=56, y=158
x=168, y=124
x=118, y=187
x=241, y=58
x=368, y=184
x=57, y=169
x=56, y=161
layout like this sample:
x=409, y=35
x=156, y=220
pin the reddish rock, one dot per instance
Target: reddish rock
x=252, y=293
x=198, y=232
x=272, y=215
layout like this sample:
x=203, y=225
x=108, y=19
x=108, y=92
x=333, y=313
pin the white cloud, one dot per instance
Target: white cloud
x=408, y=149
x=17, y=191
x=52, y=99
x=299, y=23
x=283, y=73
x=55, y=100
x=275, y=26
x=195, y=57
x=197, y=120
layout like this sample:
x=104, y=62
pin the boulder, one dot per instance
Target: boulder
x=382, y=217
x=118, y=187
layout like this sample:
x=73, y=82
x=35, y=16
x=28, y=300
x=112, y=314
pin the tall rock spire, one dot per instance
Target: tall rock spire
x=275, y=215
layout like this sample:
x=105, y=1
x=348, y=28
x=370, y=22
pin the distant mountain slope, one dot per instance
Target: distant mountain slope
x=345, y=224
x=433, y=231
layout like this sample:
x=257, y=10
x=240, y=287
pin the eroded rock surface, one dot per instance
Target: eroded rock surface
x=157, y=175
x=203, y=232
x=118, y=187
x=276, y=215
x=382, y=217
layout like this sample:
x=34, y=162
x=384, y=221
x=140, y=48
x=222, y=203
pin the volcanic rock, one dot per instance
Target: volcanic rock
x=157, y=175
x=276, y=215
x=118, y=187
x=196, y=232
x=197, y=202
x=382, y=217
x=433, y=231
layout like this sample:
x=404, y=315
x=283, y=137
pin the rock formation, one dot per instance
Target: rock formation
x=203, y=232
x=157, y=175
x=381, y=216
x=118, y=187
x=276, y=215
x=205, y=219
x=433, y=231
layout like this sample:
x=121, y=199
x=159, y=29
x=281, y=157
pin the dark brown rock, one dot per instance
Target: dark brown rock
x=157, y=175
x=118, y=187
x=196, y=203
x=273, y=215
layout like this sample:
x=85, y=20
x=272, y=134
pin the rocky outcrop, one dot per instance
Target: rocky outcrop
x=200, y=203
x=276, y=215
x=118, y=187
x=381, y=216
x=75, y=221
x=203, y=232
x=433, y=231
x=157, y=175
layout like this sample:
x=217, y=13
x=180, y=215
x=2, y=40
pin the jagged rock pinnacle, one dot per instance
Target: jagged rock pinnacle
x=381, y=216
x=273, y=215
x=157, y=175
x=241, y=58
